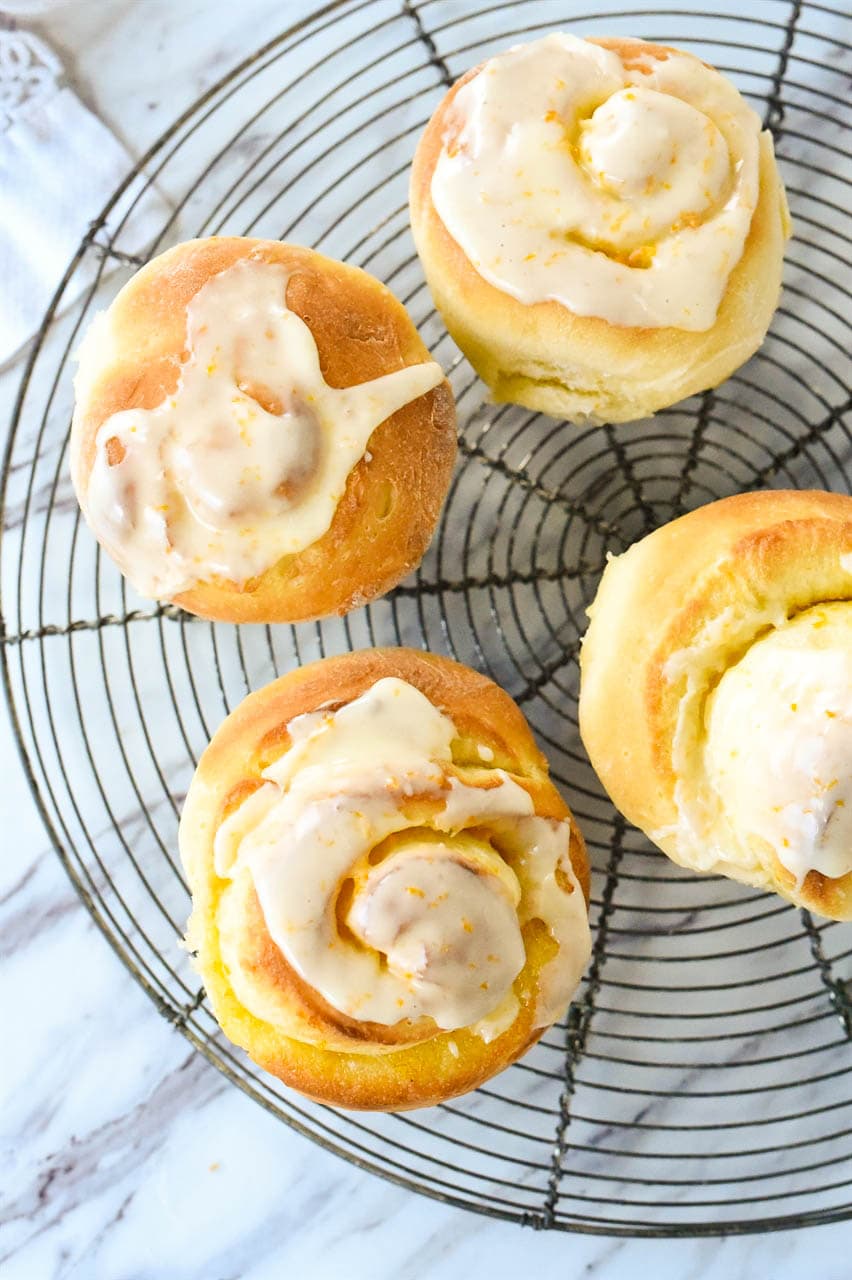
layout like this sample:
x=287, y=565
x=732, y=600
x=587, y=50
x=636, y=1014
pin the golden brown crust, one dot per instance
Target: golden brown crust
x=386, y=517
x=546, y=358
x=732, y=566
x=412, y=1065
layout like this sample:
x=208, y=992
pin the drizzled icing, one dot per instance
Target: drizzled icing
x=779, y=742
x=432, y=928
x=247, y=460
x=624, y=193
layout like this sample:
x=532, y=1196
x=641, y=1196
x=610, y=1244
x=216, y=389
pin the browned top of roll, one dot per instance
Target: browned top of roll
x=388, y=511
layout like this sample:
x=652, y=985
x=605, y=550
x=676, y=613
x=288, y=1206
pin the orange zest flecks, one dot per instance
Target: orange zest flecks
x=641, y=258
x=686, y=222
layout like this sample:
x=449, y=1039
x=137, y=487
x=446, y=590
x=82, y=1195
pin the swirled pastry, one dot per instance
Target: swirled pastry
x=260, y=434
x=601, y=223
x=389, y=895
x=716, y=692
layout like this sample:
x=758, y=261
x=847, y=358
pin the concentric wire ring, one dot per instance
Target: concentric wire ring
x=702, y=1083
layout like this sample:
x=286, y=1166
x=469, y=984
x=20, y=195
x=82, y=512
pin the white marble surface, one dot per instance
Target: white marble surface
x=124, y=1154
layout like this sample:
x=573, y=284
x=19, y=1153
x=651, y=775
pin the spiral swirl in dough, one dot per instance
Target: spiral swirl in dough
x=433, y=928
x=727, y=737
x=601, y=224
x=389, y=894
x=621, y=190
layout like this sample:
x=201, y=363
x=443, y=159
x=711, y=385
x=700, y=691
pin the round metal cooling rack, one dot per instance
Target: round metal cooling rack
x=702, y=1083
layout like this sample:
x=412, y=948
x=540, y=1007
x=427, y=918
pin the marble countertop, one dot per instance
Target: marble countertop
x=125, y=1154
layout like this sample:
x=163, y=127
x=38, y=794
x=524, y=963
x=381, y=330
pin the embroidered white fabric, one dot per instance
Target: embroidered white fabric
x=58, y=166
x=29, y=71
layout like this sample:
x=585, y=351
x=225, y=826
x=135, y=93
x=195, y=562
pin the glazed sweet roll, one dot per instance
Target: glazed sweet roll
x=716, y=692
x=260, y=434
x=601, y=223
x=389, y=895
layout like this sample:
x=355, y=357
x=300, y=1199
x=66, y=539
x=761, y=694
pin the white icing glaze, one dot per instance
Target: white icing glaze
x=248, y=459
x=621, y=193
x=779, y=742
x=696, y=807
x=439, y=916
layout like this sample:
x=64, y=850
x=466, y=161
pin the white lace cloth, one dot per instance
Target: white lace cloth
x=58, y=166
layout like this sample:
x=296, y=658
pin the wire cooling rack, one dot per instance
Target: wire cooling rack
x=702, y=1083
